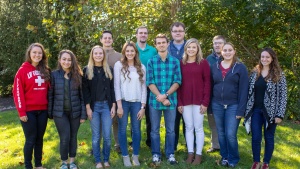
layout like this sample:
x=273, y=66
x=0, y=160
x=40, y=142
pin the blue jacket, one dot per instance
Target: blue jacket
x=233, y=89
x=173, y=51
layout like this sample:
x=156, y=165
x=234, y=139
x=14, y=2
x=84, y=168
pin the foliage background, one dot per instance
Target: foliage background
x=77, y=25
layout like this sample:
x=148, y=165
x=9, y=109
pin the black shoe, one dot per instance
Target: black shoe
x=224, y=162
x=211, y=150
x=172, y=160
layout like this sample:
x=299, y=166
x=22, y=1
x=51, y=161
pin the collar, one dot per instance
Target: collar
x=140, y=49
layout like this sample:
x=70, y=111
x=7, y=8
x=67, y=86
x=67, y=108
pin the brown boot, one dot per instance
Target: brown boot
x=197, y=159
x=190, y=158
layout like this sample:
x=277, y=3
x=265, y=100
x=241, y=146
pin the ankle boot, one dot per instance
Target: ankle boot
x=197, y=159
x=190, y=158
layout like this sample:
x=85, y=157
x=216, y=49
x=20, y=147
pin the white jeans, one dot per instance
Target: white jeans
x=193, y=120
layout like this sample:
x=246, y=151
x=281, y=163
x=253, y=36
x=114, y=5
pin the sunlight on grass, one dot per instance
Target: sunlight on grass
x=286, y=154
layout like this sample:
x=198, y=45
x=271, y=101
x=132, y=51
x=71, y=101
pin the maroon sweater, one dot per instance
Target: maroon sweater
x=195, y=87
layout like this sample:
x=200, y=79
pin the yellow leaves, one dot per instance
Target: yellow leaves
x=32, y=28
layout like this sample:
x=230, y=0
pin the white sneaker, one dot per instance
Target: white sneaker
x=135, y=160
x=126, y=161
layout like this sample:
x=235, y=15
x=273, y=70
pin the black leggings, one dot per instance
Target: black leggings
x=34, y=130
x=67, y=128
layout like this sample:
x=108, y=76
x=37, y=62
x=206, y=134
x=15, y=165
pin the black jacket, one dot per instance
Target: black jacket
x=56, y=97
x=90, y=88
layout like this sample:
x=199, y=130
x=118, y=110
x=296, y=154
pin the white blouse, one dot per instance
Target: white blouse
x=131, y=90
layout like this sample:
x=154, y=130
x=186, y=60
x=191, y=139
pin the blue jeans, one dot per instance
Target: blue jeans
x=227, y=126
x=131, y=108
x=101, y=117
x=34, y=130
x=155, y=117
x=257, y=122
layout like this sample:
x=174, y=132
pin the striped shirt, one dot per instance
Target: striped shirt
x=163, y=74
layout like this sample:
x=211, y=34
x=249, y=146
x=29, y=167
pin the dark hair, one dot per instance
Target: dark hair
x=219, y=37
x=177, y=24
x=43, y=64
x=137, y=29
x=75, y=70
x=106, y=31
x=161, y=36
x=274, y=71
x=137, y=62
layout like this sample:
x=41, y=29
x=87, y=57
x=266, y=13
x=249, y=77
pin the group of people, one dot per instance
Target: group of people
x=173, y=79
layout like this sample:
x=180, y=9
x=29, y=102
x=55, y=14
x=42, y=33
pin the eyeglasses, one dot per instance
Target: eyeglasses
x=180, y=31
x=218, y=43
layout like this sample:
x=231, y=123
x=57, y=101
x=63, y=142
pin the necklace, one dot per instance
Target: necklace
x=98, y=69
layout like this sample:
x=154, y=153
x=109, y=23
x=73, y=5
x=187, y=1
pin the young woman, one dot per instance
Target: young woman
x=66, y=105
x=230, y=87
x=30, y=95
x=266, y=104
x=99, y=97
x=194, y=96
x=131, y=96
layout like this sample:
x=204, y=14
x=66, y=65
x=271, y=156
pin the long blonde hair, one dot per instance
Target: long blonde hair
x=91, y=64
x=199, y=55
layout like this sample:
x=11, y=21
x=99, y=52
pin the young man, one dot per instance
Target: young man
x=176, y=49
x=112, y=57
x=218, y=42
x=163, y=79
x=145, y=52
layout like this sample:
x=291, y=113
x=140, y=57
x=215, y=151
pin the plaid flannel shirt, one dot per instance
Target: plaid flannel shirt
x=163, y=74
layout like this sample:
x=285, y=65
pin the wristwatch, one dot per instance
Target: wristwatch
x=167, y=94
x=143, y=107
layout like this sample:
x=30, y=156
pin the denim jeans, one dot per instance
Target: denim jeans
x=169, y=116
x=131, y=108
x=101, y=117
x=67, y=128
x=257, y=122
x=34, y=130
x=227, y=126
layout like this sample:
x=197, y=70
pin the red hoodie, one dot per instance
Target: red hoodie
x=30, y=90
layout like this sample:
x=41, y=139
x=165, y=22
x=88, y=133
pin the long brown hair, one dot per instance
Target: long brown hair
x=91, y=64
x=274, y=71
x=199, y=55
x=137, y=63
x=43, y=64
x=75, y=70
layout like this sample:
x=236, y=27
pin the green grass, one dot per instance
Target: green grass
x=286, y=154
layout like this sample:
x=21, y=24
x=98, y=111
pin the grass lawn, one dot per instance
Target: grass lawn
x=286, y=154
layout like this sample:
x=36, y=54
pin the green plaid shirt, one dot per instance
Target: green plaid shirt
x=163, y=74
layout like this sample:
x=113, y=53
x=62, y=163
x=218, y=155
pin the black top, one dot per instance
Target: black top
x=260, y=88
x=100, y=75
x=67, y=105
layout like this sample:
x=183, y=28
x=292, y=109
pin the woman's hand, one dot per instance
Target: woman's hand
x=24, y=118
x=113, y=112
x=278, y=120
x=203, y=109
x=141, y=114
x=120, y=112
x=89, y=113
x=180, y=109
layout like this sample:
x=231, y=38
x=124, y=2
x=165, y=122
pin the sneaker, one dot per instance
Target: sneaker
x=172, y=159
x=135, y=160
x=265, y=166
x=73, y=166
x=126, y=161
x=255, y=165
x=156, y=160
x=211, y=150
x=64, y=166
x=232, y=165
x=224, y=162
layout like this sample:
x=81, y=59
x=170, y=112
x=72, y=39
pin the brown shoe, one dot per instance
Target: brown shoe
x=197, y=160
x=265, y=166
x=255, y=165
x=190, y=158
x=211, y=150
